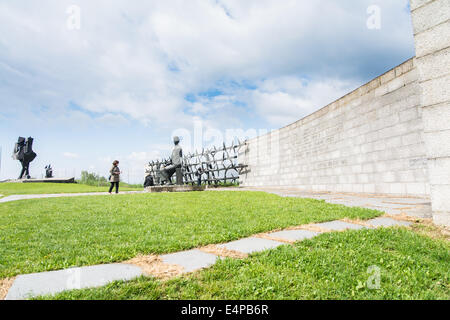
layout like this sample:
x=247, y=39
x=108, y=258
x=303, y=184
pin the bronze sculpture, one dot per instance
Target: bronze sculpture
x=213, y=166
x=48, y=172
x=23, y=151
x=174, y=165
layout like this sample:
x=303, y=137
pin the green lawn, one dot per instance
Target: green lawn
x=50, y=234
x=331, y=266
x=54, y=188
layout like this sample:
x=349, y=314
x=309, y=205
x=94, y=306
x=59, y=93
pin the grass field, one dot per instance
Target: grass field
x=331, y=266
x=50, y=234
x=53, y=188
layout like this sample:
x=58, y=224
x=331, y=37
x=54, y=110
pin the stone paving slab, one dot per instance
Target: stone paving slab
x=49, y=283
x=190, y=260
x=339, y=226
x=387, y=222
x=174, y=188
x=407, y=201
x=294, y=235
x=251, y=245
x=421, y=212
x=388, y=204
x=346, y=203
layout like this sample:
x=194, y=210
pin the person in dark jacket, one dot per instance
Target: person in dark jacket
x=199, y=174
x=115, y=177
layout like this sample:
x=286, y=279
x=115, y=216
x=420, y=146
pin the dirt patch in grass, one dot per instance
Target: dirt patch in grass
x=310, y=227
x=427, y=228
x=357, y=221
x=269, y=237
x=5, y=285
x=154, y=266
x=222, y=252
x=404, y=217
x=424, y=226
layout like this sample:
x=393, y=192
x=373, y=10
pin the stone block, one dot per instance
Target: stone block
x=190, y=260
x=439, y=171
x=409, y=114
x=339, y=226
x=436, y=118
x=387, y=222
x=425, y=17
x=251, y=245
x=415, y=188
x=53, y=282
x=435, y=65
x=412, y=138
x=436, y=91
x=432, y=40
x=418, y=3
x=437, y=144
x=294, y=235
x=185, y=188
x=442, y=218
x=440, y=198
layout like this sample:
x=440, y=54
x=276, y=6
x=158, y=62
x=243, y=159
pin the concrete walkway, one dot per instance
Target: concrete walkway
x=59, y=195
x=419, y=207
x=53, y=282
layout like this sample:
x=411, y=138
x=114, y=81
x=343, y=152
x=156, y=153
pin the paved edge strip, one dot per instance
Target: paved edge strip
x=19, y=197
x=52, y=282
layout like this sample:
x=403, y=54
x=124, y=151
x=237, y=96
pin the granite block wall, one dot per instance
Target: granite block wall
x=370, y=141
x=431, y=23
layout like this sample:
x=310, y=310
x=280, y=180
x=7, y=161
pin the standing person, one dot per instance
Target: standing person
x=114, y=178
x=199, y=176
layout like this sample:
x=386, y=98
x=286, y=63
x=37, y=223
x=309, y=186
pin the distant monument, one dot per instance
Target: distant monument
x=23, y=151
x=48, y=172
x=175, y=165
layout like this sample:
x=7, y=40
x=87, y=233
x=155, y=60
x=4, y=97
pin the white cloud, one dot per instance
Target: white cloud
x=285, y=100
x=113, y=120
x=141, y=59
x=230, y=63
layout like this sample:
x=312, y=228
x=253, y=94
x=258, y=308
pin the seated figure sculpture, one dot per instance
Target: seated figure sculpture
x=175, y=163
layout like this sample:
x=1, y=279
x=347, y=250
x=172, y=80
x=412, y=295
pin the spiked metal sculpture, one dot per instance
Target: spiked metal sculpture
x=212, y=166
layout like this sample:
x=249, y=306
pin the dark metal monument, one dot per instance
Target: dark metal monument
x=48, y=172
x=213, y=167
x=23, y=151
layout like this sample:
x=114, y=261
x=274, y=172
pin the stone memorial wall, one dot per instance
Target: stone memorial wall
x=390, y=136
x=369, y=141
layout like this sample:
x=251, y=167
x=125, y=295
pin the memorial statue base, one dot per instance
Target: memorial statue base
x=49, y=180
x=174, y=188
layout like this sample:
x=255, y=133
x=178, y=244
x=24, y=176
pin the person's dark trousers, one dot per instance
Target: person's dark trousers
x=112, y=186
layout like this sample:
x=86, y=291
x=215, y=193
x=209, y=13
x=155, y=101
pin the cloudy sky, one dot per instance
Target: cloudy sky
x=93, y=81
